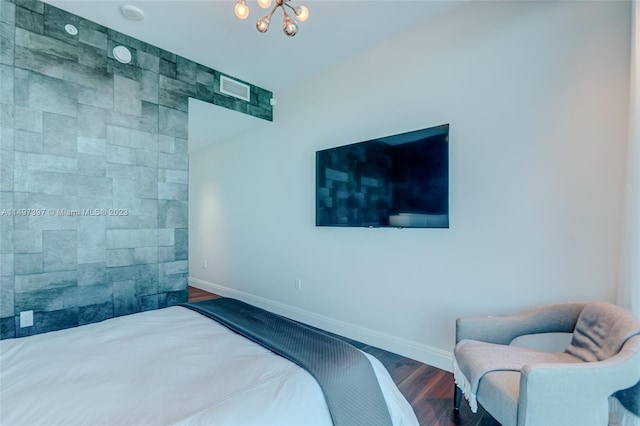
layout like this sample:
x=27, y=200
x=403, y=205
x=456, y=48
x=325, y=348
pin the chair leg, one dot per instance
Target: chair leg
x=457, y=397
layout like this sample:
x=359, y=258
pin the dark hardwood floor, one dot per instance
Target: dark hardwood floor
x=429, y=390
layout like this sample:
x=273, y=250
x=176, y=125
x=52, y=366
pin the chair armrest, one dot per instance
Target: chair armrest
x=576, y=394
x=556, y=318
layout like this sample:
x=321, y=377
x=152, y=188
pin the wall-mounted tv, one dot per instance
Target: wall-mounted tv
x=399, y=181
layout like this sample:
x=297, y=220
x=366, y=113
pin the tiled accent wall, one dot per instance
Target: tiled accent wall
x=95, y=152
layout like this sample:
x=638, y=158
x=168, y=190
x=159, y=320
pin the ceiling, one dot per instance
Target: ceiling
x=207, y=32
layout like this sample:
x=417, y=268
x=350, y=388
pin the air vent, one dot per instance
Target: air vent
x=235, y=88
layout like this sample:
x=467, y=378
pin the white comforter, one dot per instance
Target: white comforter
x=170, y=366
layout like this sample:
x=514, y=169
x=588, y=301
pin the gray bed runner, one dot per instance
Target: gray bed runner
x=344, y=373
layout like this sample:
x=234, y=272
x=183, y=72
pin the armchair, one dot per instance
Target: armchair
x=522, y=387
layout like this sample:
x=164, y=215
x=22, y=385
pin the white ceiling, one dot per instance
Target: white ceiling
x=207, y=32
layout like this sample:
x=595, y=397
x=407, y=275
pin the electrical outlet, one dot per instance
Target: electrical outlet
x=297, y=283
x=26, y=319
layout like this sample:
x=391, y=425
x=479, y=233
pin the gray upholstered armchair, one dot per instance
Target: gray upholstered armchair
x=520, y=386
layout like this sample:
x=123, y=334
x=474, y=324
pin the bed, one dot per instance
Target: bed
x=171, y=366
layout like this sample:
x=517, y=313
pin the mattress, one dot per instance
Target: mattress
x=171, y=366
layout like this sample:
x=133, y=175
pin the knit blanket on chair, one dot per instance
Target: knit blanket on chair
x=600, y=332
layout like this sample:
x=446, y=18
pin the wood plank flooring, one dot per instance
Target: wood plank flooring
x=429, y=390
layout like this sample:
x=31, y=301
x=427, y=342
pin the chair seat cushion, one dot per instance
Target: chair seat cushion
x=498, y=393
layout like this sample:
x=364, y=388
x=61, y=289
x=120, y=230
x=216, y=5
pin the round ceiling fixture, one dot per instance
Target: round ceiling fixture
x=131, y=12
x=71, y=29
x=122, y=54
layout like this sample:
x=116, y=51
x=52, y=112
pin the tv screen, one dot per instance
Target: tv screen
x=399, y=181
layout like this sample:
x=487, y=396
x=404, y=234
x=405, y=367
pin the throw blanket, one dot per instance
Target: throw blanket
x=478, y=358
x=344, y=373
x=600, y=332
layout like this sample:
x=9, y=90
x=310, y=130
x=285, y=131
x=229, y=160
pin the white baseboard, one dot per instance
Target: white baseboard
x=410, y=349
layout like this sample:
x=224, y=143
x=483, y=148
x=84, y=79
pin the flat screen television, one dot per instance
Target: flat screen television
x=399, y=181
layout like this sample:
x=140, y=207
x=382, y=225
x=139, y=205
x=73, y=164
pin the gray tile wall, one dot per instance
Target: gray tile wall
x=95, y=151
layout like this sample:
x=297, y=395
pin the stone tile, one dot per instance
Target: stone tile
x=120, y=257
x=166, y=254
x=28, y=119
x=7, y=44
x=45, y=162
x=90, y=274
x=173, y=214
x=132, y=138
x=172, y=191
x=173, y=122
x=149, y=121
x=52, y=95
x=60, y=135
x=6, y=84
x=166, y=144
x=77, y=297
x=29, y=20
x=50, y=280
x=125, y=300
x=166, y=237
x=60, y=250
x=181, y=244
x=146, y=255
x=92, y=57
x=149, y=87
x=174, y=176
x=93, y=37
x=167, y=68
x=39, y=62
x=7, y=264
x=45, y=182
x=131, y=238
x=149, y=303
x=121, y=155
x=6, y=297
x=27, y=241
x=7, y=328
x=147, y=158
x=147, y=179
x=95, y=313
x=6, y=171
x=33, y=5
x=21, y=86
x=95, y=146
x=28, y=141
x=186, y=70
x=7, y=13
x=149, y=62
x=126, y=99
x=40, y=300
x=45, y=45
x=92, y=165
x=31, y=263
x=92, y=122
x=176, y=297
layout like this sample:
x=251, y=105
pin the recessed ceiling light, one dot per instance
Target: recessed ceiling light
x=131, y=12
x=122, y=54
x=71, y=29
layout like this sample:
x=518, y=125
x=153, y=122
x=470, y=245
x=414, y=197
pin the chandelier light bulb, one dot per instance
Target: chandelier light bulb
x=302, y=13
x=290, y=27
x=263, y=24
x=264, y=3
x=241, y=9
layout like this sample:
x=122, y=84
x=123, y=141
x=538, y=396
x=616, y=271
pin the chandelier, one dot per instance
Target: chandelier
x=289, y=25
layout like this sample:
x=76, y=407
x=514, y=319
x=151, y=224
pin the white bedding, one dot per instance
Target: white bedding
x=165, y=367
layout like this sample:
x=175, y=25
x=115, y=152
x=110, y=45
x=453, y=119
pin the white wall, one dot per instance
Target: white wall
x=537, y=97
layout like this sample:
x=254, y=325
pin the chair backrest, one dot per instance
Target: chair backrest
x=601, y=330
